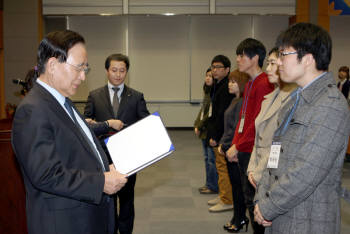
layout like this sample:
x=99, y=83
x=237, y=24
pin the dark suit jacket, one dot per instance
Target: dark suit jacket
x=63, y=178
x=132, y=106
x=221, y=99
x=346, y=88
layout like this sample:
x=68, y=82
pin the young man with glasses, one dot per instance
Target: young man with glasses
x=300, y=189
x=250, y=58
x=116, y=100
x=220, y=100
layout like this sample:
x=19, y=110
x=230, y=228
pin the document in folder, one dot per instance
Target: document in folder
x=139, y=145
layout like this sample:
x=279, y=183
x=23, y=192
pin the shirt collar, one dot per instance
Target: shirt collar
x=343, y=81
x=121, y=86
x=59, y=97
x=325, y=79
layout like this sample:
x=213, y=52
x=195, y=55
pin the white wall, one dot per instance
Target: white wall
x=168, y=54
x=57, y=7
x=20, y=43
x=340, y=33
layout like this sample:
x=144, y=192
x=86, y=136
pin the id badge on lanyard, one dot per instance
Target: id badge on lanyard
x=241, y=125
x=274, y=155
x=210, y=112
x=245, y=104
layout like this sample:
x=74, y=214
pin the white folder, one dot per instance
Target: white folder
x=139, y=145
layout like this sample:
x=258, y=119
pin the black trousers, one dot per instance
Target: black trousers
x=248, y=190
x=125, y=219
x=239, y=208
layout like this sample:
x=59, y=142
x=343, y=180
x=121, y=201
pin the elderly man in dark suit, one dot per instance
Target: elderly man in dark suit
x=118, y=101
x=66, y=173
x=299, y=190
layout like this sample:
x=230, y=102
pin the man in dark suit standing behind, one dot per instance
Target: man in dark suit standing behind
x=65, y=171
x=118, y=101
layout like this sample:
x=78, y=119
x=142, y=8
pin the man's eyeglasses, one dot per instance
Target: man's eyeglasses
x=217, y=67
x=282, y=54
x=80, y=68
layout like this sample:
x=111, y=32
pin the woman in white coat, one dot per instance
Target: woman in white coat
x=266, y=121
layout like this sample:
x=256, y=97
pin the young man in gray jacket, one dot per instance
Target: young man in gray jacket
x=299, y=190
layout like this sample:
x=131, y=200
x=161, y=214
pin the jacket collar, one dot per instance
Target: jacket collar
x=317, y=86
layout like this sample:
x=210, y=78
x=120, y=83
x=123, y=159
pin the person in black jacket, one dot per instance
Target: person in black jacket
x=220, y=100
x=344, y=82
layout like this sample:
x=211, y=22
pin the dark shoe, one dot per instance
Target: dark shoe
x=235, y=229
x=227, y=225
x=207, y=191
x=347, y=158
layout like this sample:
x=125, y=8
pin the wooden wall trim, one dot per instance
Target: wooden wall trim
x=1, y=30
x=323, y=14
x=302, y=11
x=2, y=77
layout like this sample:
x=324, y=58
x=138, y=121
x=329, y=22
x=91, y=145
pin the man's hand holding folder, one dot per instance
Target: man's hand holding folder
x=114, y=181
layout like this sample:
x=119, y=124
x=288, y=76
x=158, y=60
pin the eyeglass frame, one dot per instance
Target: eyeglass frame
x=216, y=67
x=282, y=54
x=80, y=68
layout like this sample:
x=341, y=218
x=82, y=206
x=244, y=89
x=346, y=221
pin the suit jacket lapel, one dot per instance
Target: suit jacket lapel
x=124, y=99
x=284, y=112
x=59, y=111
x=101, y=151
x=266, y=105
x=106, y=99
x=86, y=144
x=97, y=143
x=275, y=103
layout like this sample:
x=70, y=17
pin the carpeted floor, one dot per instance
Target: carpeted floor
x=167, y=200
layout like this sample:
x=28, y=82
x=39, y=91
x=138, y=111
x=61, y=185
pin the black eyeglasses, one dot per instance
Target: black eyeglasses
x=216, y=67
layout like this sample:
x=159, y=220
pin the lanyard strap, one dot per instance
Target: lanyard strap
x=246, y=97
x=291, y=113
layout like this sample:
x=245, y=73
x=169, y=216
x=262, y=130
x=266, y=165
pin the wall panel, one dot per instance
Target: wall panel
x=104, y=36
x=210, y=36
x=340, y=33
x=159, y=55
